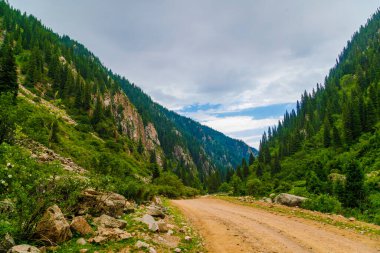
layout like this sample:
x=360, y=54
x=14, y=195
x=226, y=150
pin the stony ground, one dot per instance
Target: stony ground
x=234, y=226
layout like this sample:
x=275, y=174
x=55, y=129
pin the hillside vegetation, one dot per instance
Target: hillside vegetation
x=328, y=148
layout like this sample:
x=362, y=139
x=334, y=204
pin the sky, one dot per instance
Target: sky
x=235, y=66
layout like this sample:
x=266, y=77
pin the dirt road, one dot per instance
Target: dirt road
x=229, y=227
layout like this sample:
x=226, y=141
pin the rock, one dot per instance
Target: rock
x=53, y=227
x=170, y=232
x=177, y=250
x=155, y=211
x=267, y=200
x=109, y=222
x=81, y=241
x=149, y=220
x=289, y=199
x=97, y=203
x=80, y=225
x=24, y=248
x=187, y=238
x=83, y=250
x=6, y=243
x=351, y=219
x=104, y=235
x=157, y=201
x=162, y=227
x=152, y=250
x=140, y=244
x=272, y=195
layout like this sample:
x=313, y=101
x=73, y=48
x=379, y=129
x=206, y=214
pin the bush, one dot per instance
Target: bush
x=225, y=188
x=254, y=187
x=32, y=187
x=169, y=185
x=323, y=203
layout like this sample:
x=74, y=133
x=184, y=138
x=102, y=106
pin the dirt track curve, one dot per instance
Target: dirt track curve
x=229, y=227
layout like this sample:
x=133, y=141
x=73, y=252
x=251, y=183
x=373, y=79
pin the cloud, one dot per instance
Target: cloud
x=236, y=54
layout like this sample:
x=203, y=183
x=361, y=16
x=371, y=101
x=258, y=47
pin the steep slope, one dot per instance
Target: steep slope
x=209, y=149
x=58, y=70
x=330, y=143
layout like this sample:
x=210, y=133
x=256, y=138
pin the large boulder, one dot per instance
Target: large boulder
x=6, y=243
x=53, y=227
x=80, y=225
x=109, y=222
x=97, y=203
x=149, y=220
x=289, y=199
x=24, y=249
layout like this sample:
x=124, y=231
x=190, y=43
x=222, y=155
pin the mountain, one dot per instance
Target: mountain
x=67, y=78
x=328, y=147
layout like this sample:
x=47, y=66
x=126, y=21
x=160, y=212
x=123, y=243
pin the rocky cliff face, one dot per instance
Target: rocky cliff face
x=131, y=124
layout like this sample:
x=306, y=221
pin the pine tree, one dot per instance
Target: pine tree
x=245, y=169
x=326, y=133
x=8, y=71
x=336, y=137
x=97, y=115
x=251, y=159
x=355, y=191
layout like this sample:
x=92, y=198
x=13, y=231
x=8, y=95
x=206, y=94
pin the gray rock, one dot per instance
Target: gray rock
x=177, y=250
x=149, y=220
x=141, y=244
x=109, y=222
x=6, y=243
x=155, y=211
x=24, y=248
x=289, y=199
x=81, y=241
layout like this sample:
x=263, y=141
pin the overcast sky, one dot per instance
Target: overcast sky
x=233, y=65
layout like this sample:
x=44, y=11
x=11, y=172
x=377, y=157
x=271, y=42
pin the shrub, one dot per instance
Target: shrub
x=323, y=203
x=225, y=187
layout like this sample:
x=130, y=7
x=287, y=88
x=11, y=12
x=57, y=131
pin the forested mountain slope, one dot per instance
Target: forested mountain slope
x=64, y=73
x=328, y=148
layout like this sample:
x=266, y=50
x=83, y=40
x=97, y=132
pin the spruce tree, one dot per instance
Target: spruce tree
x=355, y=191
x=8, y=70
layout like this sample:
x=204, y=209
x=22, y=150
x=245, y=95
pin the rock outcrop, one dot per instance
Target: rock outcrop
x=104, y=235
x=53, y=227
x=109, y=222
x=98, y=203
x=289, y=199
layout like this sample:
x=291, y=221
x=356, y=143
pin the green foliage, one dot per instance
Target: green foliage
x=323, y=203
x=169, y=185
x=355, y=193
x=254, y=187
x=32, y=187
x=225, y=188
x=7, y=118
